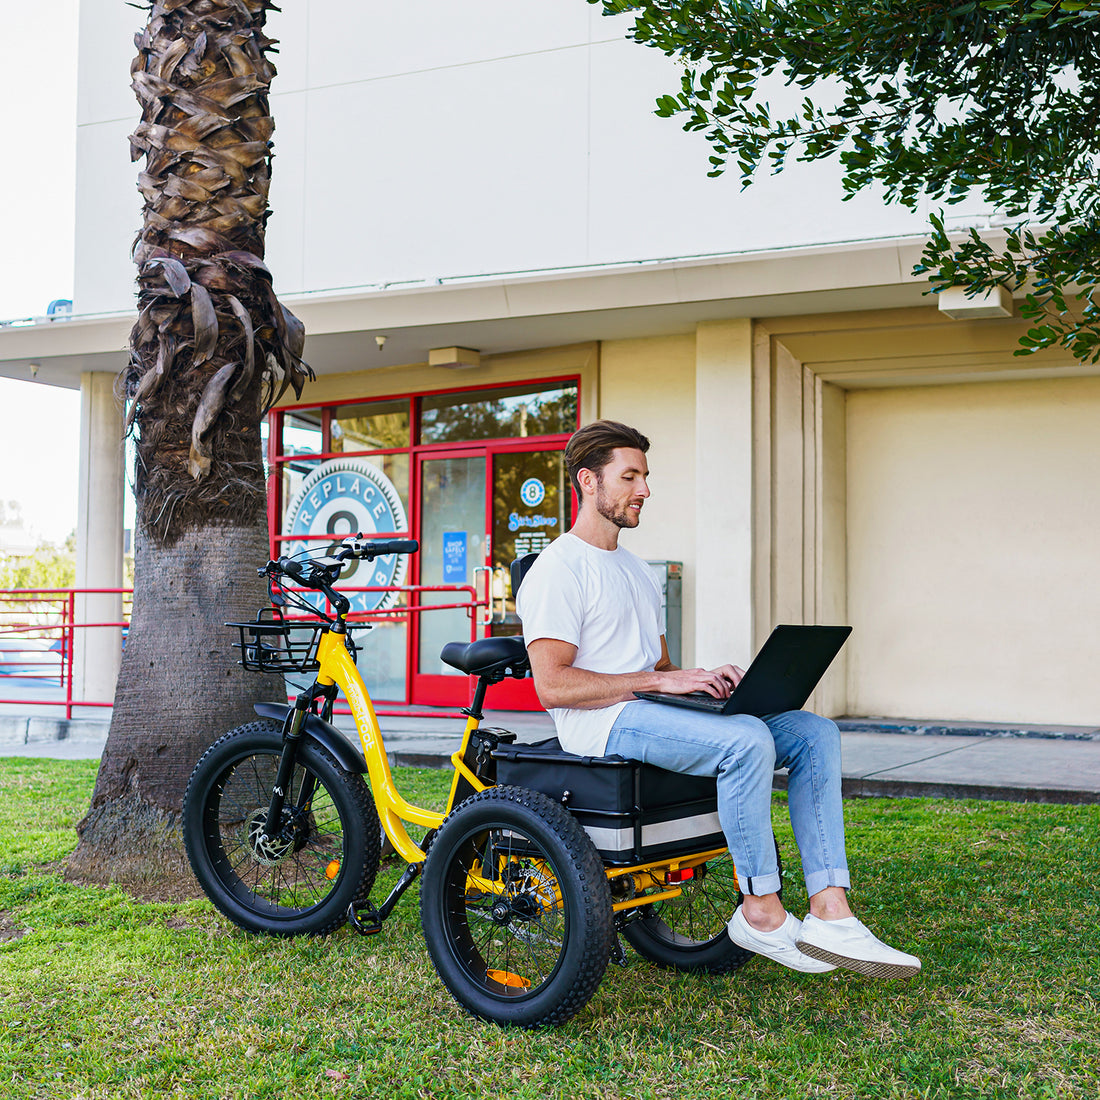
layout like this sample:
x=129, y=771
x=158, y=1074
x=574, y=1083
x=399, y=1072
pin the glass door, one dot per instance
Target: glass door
x=479, y=509
x=453, y=537
x=531, y=506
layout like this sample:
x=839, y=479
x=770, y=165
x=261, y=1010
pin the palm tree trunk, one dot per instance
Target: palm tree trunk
x=211, y=350
x=179, y=689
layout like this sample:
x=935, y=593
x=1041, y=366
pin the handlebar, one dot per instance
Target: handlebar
x=321, y=573
x=372, y=550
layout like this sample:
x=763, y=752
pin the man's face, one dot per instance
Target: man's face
x=621, y=487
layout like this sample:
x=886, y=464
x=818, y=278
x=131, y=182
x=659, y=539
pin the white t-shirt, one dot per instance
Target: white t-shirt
x=605, y=602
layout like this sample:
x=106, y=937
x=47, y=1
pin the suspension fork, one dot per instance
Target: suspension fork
x=292, y=738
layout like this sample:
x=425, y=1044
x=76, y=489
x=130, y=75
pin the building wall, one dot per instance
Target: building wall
x=973, y=521
x=650, y=384
x=427, y=140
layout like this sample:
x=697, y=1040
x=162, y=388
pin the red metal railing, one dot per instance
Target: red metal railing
x=38, y=631
x=39, y=628
x=398, y=614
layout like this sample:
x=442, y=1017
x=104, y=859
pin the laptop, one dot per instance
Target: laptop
x=781, y=677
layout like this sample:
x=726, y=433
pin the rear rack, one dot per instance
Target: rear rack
x=271, y=644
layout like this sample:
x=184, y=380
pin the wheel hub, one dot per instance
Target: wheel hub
x=265, y=849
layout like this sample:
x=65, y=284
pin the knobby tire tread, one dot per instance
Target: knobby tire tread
x=578, y=858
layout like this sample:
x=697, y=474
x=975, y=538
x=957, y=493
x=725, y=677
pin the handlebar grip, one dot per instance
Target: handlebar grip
x=291, y=567
x=395, y=546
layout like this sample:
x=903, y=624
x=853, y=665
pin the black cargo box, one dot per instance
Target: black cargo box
x=633, y=812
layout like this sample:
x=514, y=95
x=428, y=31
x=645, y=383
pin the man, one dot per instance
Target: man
x=590, y=612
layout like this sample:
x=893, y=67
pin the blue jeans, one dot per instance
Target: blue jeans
x=743, y=752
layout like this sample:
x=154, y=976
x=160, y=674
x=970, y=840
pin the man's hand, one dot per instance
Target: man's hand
x=718, y=682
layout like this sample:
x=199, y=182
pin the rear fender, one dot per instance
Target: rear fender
x=324, y=733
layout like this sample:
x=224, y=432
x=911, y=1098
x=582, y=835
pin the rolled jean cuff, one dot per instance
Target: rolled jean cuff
x=758, y=884
x=831, y=876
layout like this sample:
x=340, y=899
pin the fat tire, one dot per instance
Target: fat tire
x=690, y=932
x=563, y=949
x=289, y=895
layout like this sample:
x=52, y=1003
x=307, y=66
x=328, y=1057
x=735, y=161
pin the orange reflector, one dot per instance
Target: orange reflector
x=674, y=878
x=513, y=981
x=333, y=869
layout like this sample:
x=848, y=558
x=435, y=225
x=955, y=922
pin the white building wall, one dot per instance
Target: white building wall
x=428, y=140
x=974, y=514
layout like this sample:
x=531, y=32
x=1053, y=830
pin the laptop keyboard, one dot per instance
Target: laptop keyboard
x=702, y=698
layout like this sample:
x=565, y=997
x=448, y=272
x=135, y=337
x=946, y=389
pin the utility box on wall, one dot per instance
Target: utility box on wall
x=670, y=577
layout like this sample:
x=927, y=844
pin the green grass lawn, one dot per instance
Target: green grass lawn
x=105, y=996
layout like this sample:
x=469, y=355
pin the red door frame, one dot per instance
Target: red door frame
x=437, y=690
x=427, y=689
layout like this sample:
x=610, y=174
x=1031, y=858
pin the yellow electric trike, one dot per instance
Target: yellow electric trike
x=538, y=864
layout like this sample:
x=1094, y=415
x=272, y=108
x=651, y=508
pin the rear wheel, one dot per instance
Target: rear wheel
x=516, y=909
x=302, y=875
x=689, y=932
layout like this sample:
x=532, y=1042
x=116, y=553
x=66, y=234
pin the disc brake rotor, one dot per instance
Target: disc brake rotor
x=267, y=850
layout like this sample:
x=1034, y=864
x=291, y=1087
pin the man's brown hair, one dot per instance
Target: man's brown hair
x=590, y=447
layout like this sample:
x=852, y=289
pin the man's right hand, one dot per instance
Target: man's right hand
x=718, y=682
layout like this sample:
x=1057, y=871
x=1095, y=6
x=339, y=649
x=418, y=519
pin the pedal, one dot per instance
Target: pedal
x=367, y=921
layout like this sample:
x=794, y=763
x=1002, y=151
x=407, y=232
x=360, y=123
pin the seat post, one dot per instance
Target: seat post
x=474, y=709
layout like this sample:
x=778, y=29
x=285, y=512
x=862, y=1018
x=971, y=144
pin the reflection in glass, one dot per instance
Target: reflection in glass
x=373, y=426
x=531, y=500
x=382, y=658
x=302, y=432
x=509, y=412
x=265, y=434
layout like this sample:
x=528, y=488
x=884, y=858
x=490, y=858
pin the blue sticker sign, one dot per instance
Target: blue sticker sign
x=454, y=557
x=342, y=497
x=532, y=492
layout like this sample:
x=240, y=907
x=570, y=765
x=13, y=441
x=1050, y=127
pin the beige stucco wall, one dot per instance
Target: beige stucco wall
x=650, y=384
x=973, y=522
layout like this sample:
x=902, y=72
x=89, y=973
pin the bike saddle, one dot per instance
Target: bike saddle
x=487, y=656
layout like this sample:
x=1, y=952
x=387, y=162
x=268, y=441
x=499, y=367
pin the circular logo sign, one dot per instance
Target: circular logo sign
x=532, y=492
x=342, y=497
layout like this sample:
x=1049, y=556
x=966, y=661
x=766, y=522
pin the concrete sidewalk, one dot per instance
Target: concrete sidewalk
x=882, y=757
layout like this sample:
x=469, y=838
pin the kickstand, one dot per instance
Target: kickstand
x=618, y=954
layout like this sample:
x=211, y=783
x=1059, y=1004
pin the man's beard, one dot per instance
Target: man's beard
x=620, y=517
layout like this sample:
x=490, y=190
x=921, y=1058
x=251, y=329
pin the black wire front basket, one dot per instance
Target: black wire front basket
x=271, y=644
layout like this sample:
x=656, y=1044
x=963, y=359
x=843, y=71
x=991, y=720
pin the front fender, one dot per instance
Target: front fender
x=324, y=733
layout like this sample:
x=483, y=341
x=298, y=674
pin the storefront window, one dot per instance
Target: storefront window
x=378, y=426
x=389, y=467
x=265, y=434
x=301, y=514
x=512, y=412
x=302, y=432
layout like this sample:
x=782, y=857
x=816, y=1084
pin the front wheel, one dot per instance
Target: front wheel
x=516, y=909
x=301, y=876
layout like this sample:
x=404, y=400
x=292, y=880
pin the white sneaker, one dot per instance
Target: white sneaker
x=849, y=943
x=777, y=945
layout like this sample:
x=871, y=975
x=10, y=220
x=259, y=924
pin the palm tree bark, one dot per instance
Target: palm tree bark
x=212, y=349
